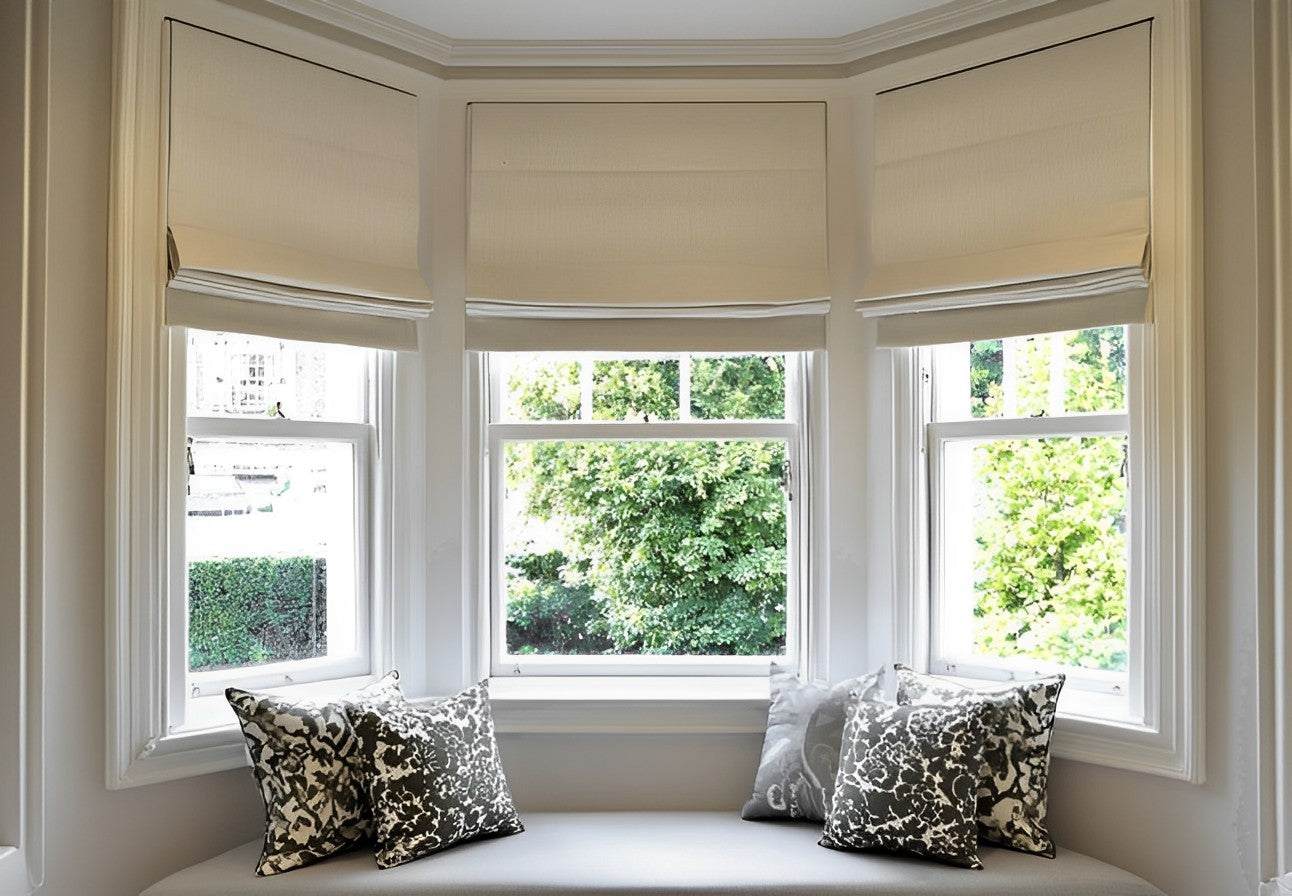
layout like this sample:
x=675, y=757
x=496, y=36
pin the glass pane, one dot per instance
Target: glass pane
x=1038, y=526
x=746, y=387
x=635, y=390
x=231, y=374
x=1052, y=374
x=1095, y=370
x=270, y=540
x=671, y=547
x=540, y=387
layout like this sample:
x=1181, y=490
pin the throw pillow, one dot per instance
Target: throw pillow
x=305, y=758
x=433, y=775
x=795, y=777
x=1014, y=776
x=906, y=782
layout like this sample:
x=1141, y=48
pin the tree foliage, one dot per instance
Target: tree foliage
x=666, y=547
x=1050, y=528
x=251, y=610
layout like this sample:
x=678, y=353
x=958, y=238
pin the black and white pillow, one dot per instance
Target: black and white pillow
x=433, y=775
x=1013, y=779
x=795, y=777
x=305, y=758
x=906, y=782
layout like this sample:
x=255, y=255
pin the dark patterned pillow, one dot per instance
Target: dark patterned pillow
x=1014, y=777
x=305, y=757
x=433, y=775
x=906, y=781
x=795, y=777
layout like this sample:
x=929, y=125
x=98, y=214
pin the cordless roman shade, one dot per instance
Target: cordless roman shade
x=1013, y=198
x=647, y=225
x=292, y=197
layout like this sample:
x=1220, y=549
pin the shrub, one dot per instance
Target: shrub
x=250, y=610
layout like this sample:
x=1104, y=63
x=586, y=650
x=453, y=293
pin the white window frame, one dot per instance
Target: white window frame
x=1087, y=693
x=1167, y=739
x=792, y=430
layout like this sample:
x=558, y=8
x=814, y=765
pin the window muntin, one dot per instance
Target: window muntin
x=273, y=579
x=1029, y=458
x=639, y=524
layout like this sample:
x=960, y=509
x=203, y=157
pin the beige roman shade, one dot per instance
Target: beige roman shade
x=292, y=197
x=647, y=225
x=1013, y=197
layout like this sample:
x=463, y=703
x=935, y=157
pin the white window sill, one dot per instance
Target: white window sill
x=624, y=705
x=14, y=875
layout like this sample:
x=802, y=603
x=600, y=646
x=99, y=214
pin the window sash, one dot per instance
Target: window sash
x=942, y=658
x=195, y=701
x=791, y=430
x=1094, y=694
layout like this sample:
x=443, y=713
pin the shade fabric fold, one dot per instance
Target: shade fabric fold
x=292, y=197
x=1021, y=183
x=646, y=218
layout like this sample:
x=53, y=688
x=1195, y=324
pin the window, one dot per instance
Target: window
x=645, y=517
x=274, y=586
x=1029, y=460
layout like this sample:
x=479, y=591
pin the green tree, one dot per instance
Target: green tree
x=1050, y=526
x=679, y=545
x=250, y=610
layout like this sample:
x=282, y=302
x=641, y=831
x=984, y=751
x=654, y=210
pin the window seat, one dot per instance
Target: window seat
x=639, y=853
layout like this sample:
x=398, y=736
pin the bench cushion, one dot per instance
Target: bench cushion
x=646, y=853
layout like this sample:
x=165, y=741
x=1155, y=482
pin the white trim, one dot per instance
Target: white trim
x=610, y=705
x=359, y=19
x=22, y=793
x=1170, y=742
x=1280, y=191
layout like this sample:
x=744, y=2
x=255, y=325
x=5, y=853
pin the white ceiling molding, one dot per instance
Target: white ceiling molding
x=362, y=20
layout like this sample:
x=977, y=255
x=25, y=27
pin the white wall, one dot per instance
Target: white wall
x=1191, y=841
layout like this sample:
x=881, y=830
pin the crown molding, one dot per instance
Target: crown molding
x=359, y=19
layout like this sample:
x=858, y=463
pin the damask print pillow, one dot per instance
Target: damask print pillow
x=1013, y=780
x=433, y=775
x=305, y=758
x=906, y=782
x=795, y=777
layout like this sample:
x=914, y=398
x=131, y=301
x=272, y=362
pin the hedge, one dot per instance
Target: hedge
x=250, y=610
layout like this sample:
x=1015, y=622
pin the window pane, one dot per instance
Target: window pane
x=270, y=549
x=669, y=547
x=746, y=387
x=540, y=387
x=230, y=374
x=1052, y=374
x=986, y=377
x=1095, y=370
x=635, y=390
x=1038, y=526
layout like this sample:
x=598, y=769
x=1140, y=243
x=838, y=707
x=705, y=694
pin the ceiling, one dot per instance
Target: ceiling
x=647, y=20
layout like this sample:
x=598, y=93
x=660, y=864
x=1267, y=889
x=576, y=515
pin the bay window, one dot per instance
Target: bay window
x=268, y=278
x=1032, y=271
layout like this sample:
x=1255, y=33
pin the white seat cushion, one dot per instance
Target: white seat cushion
x=641, y=853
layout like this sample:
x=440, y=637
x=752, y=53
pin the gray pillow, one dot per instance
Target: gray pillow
x=305, y=758
x=1013, y=780
x=906, y=782
x=433, y=775
x=795, y=776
